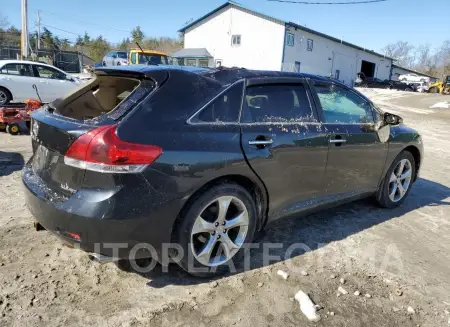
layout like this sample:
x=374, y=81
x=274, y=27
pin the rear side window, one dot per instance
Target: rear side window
x=277, y=103
x=16, y=69
x=340, y=105
x=224, y=109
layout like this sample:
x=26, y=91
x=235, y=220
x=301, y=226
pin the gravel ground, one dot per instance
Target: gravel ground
x=399, y=257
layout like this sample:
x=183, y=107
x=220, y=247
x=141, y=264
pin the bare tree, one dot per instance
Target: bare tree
x=402, y=52
x=423, y=57
x=3, y=21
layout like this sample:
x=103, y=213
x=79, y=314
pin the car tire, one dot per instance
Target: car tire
x=433, y=89
x=206, y=253
x=5, y=96
x=390, y=195
x=13, y=128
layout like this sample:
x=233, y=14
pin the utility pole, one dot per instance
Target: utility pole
x=24, y=43
x=38, y=43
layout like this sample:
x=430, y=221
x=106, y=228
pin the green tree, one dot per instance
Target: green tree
x=86, y=38
x=79, y=40
x=137, y=34
x=98, y=48
x=124, y=44
x=65, y=44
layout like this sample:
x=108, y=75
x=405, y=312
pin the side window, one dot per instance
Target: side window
x=133, y=58
x=290, y=39
x=48, y=72
x=224, y=109
x=235, y=40
x=343, y=106
x=277, y=103
x=16, y=69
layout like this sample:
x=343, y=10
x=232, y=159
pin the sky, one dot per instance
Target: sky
x=371, y=26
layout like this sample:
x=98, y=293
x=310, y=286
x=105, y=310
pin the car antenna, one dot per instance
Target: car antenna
x=139, y=47
x=137, y=43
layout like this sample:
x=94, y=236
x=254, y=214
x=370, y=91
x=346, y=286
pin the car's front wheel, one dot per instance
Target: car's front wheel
x=398, y=181
x=214, y=229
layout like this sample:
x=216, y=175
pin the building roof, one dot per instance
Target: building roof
x=192, y=53
x=413, y=71
x=286, y=23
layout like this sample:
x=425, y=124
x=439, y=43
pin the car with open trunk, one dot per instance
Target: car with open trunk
x=206, y=158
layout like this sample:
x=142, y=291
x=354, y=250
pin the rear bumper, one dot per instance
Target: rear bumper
x=107, y=222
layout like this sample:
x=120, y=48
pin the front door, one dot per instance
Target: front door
x=53, y=84
x=356, y=155
x=284, y=143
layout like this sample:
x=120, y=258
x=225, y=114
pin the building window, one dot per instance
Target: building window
x=203, y=62
x=191, y=62
x=235, y=40
x=310, y=45
x=290, y=39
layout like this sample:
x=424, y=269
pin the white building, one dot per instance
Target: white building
x=237, y=36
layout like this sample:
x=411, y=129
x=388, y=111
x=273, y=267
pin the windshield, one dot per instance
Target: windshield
x=153, y=59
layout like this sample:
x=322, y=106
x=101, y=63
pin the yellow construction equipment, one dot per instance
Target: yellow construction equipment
x=442, y=87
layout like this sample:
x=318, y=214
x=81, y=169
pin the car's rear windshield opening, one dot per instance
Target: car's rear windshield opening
x=102, y=95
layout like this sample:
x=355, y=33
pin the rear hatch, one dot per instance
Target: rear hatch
x=59, y=128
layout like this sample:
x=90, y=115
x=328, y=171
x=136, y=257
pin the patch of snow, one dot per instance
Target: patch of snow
x=441, y=105
x=307, y=306
x=283, y=274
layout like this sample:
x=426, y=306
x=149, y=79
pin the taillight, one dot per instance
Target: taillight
x=101, y=150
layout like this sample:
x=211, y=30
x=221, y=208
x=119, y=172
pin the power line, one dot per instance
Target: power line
x=87, y=23
x=329, y=3
x=60, y=29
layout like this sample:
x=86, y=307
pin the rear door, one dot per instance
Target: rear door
x=283, y=142
x=356, y=155
x=17, y=78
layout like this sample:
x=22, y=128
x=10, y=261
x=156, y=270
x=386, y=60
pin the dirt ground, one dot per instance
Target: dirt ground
x=400, y=258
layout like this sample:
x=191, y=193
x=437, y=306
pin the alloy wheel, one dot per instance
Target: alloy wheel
x=3, y=97
x=400, y=180
x=219, y=231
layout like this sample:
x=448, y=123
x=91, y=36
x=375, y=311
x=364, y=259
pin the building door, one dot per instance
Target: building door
x=297, y=66
x=368, y=68
x=218, y=63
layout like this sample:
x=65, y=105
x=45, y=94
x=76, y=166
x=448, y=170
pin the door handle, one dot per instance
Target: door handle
x=338, y=141
x=260, y=142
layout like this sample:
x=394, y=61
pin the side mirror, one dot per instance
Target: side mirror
x=391, y=119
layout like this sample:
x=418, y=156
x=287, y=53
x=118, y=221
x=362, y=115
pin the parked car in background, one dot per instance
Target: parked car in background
x=115, y=58
x=396, y=85
x=423, y=87
x=373, y=82
x=17, y=78
x=413, y=78
x=147, y=57
x=209, y=167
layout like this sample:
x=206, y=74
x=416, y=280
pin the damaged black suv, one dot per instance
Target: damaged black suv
x=206, y=158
